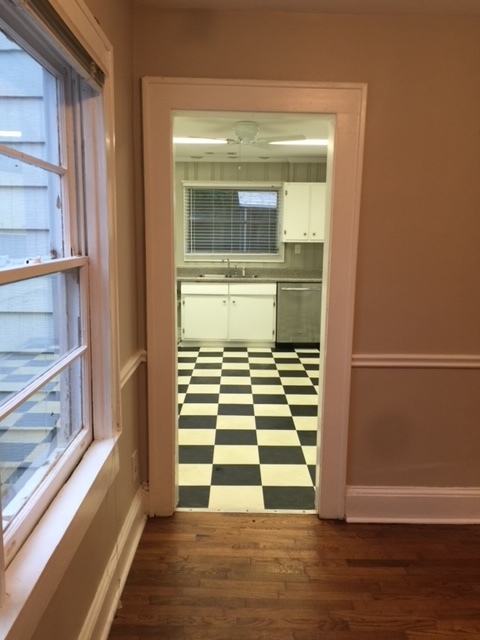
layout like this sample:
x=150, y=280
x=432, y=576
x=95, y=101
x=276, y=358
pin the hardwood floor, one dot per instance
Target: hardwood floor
x=293, y=577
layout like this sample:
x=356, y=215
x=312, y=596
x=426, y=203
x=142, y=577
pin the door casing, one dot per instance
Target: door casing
x=162, y=97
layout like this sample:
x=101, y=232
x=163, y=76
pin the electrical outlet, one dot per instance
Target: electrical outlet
x=135, y=465
x=298, y=248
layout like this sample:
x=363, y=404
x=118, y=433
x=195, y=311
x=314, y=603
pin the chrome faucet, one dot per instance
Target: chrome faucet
x=227, y=260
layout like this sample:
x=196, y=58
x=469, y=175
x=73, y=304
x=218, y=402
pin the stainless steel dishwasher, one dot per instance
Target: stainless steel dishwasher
x=298, y=312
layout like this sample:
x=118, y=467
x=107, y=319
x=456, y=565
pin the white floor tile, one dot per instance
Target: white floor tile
x=199, y=410
x=267, y=437
x=236, y=499
x=236, y=422
x=285, y=475
x=265, y=373
x=272, y=410
x=235, y=454
x=194, y=475
x=204, y=388
x=275, y=389
x=196, y=436
x=235, y=365
x=306, y=423
x=235, y=379
x=303, y=398
x=310, y=454
x=208, y=372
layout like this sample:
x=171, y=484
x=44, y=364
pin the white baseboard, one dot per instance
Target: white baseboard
x=99, y=619
x=432, y=505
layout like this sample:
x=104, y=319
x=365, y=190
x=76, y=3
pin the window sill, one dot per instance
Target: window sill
x=37, y=569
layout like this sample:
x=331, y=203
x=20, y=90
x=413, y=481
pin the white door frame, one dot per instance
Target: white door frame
x=162, y=97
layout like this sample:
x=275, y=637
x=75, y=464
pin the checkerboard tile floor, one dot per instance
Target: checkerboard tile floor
x=247, y=428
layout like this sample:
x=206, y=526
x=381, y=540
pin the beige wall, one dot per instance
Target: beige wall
x=418, y=290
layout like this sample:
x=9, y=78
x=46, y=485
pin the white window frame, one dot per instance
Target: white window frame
x=238, y=186
x=34, y=575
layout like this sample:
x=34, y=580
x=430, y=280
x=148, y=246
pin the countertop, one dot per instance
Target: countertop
x=194, y=274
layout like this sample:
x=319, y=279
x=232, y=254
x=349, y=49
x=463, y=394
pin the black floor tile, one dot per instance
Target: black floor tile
x=208, y=365
x=304, y=409
x=197, y=422
x=281, y=455
x=279, y=423
x=201, y=398
x=236, y=388
x=299, y=389
x=193, y=497
x=205, y=379
x=267, y=380
x=312, y=469
x=235, y=410
x=254, y=366
x=293, y=373
x=195, y=454
x=307, y=438
x=235, y=358
x=240, y=475
x=236, y=436
x=269, y=398
x=298, y=498
x=236, y=373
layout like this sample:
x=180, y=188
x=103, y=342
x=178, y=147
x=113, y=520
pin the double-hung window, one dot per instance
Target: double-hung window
x=50, y=197
x=242, y=221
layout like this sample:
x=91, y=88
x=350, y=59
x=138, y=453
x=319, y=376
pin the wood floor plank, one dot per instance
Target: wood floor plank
x=210, y=576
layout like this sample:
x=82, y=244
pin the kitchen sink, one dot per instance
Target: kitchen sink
x=213, y=276
x=223, y=276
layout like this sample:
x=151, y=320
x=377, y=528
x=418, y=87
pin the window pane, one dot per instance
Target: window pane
x=28, y=104
x=231, y=221
x=39, y=324
x=34, y=436
x=31, y=213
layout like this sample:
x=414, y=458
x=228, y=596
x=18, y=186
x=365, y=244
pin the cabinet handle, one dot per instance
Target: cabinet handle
x=314, y=234
x=304, y=234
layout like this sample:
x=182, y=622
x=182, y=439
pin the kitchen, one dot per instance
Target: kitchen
x=251, y=195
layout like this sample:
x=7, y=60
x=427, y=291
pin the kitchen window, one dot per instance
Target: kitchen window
x=51, y=241
x=241, y=221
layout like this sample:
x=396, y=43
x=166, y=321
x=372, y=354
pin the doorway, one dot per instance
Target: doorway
x=248, y=394
x=161, y=97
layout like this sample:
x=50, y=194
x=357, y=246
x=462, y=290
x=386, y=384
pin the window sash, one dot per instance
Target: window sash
x=240, y=220
x=73, y=102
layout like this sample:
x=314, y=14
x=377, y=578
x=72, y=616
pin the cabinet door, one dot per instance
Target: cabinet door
x=296, y=207
x=204, y=317
x=251, y=318
x=316, y=229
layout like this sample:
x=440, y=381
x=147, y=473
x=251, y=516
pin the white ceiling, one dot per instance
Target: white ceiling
x=387, y=7
x=221, y=125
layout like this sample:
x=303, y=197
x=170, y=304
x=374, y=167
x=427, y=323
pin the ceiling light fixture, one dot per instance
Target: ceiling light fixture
x=199, y=141
x=309, y=142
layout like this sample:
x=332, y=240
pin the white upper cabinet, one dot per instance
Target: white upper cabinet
x=304, y=212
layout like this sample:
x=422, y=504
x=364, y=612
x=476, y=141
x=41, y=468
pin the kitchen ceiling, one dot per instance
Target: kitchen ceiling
x=221, y=126
x=386, y=7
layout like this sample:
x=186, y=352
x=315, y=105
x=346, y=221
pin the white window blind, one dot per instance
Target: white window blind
x=241, y=220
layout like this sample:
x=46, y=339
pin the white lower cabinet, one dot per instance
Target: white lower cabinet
x=222, y=312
